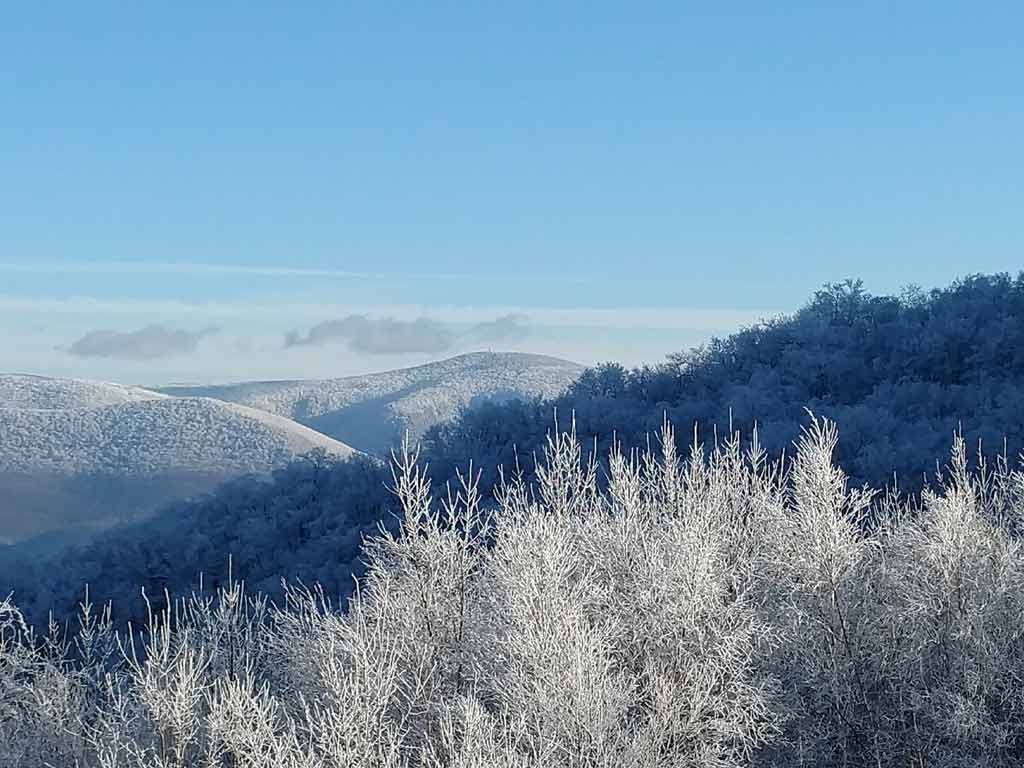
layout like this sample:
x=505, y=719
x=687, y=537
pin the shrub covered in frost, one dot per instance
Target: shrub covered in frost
x=702, y=611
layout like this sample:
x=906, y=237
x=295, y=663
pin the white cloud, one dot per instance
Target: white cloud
x=148, y=343
x=511, y=327
x=378, y=336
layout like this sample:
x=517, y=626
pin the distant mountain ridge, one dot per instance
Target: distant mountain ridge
x=372, y=411
x=78, y=455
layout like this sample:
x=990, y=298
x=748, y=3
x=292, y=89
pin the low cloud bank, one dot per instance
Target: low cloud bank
x=383, y=336
x=148, y=343
x=388, y=336
x=514, y=327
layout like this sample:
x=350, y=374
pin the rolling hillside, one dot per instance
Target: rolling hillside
x=371, y=412
x=86, y=454
x=24, y=391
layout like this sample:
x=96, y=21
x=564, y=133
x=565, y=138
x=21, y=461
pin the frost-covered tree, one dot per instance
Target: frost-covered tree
x=896, y=373
x=713, y=608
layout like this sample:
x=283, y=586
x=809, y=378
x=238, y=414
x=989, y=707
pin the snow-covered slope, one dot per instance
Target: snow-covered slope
x=22, y=391
x=112, y=453
x=370, y=412
x=87, y=454
x=147, y=437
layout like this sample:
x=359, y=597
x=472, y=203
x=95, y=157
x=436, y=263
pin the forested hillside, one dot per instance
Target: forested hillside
x=898, y=374
x=305, y=523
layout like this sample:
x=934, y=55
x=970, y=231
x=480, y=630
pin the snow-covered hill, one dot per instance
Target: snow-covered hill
x=370, y=412
x=23, y=391
x=83, y=455
x=112, y=452
x=148, y=437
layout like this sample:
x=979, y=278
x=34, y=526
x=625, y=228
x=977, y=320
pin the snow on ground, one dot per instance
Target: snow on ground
x=80, y=455
x=150, y=436
x=22, y=391
x=369, y=411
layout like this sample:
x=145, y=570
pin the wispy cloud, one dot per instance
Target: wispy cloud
x=380, y=336
x=178, y=268
x=251, y=270
x=148, y=343
x=387, y=335
x=667, y=318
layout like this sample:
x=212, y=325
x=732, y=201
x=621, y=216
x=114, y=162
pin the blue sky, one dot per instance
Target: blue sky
x=625, y=179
